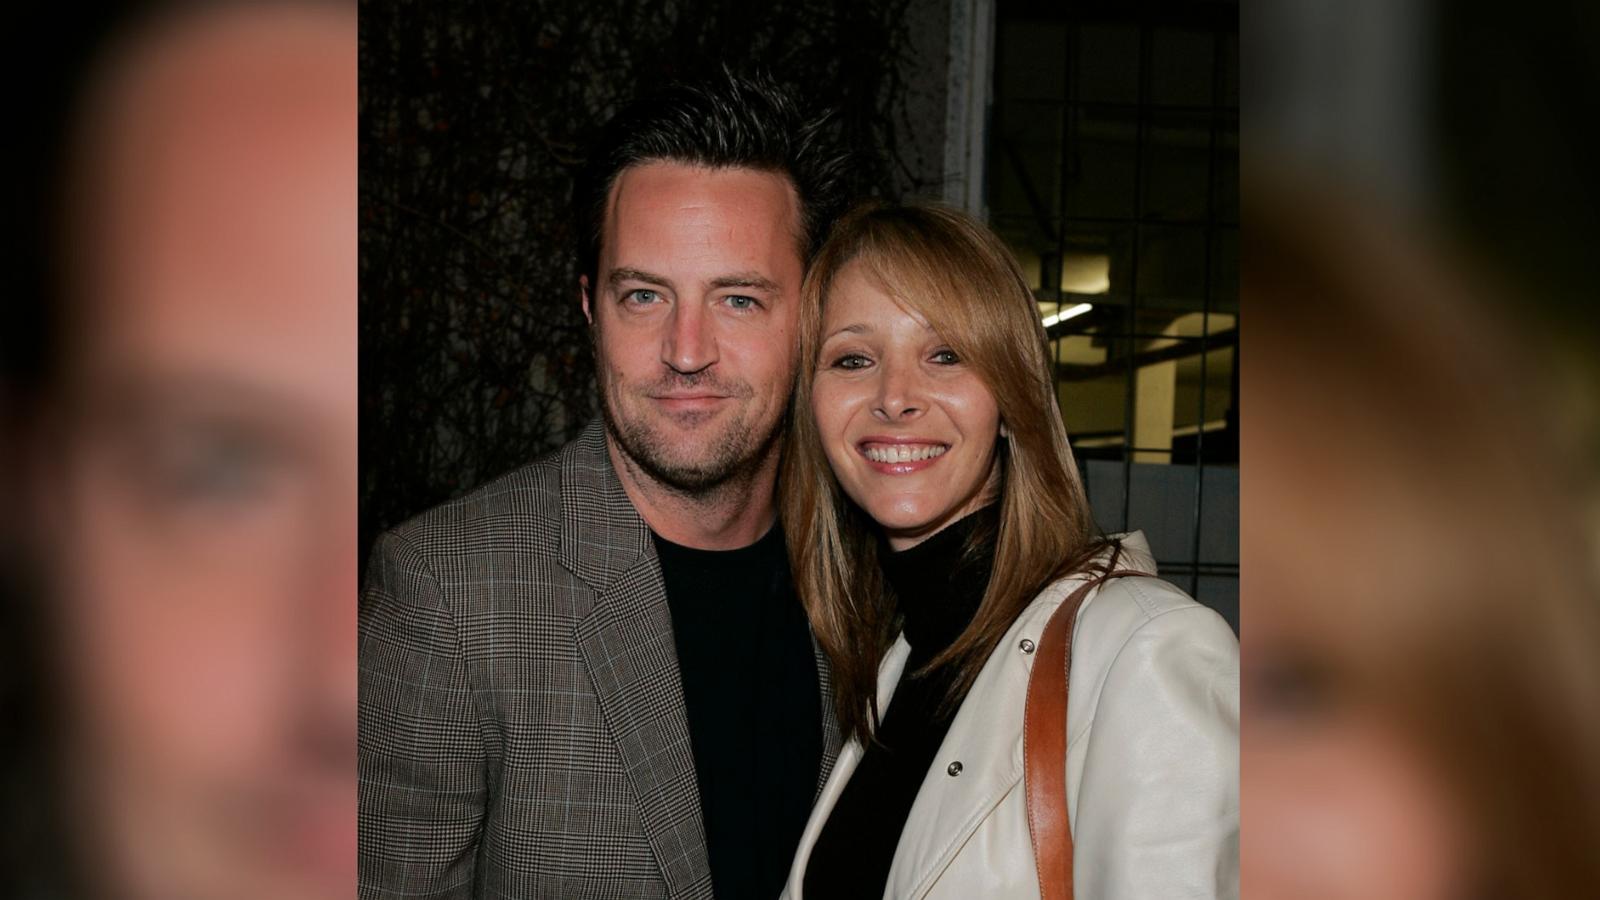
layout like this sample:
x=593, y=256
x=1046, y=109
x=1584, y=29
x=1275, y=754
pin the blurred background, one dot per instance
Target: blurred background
x=1100, y=140
x=178, y=404
x=1421, y=522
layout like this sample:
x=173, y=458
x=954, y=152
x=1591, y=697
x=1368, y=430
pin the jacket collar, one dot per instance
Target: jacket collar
x=602, y=534
x=627, y=643
x=1136, y=553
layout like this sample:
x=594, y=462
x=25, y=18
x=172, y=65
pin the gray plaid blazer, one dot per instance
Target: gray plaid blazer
x=523, y=731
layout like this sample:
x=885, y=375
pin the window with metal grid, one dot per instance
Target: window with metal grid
x=1113, y=172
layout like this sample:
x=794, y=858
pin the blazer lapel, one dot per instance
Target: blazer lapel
x=627, y=645
x=832, y=740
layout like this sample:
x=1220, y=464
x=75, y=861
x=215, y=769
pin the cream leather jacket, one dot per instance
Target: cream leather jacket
x=1152, y=757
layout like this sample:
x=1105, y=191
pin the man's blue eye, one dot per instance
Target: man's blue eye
x=643, y=295
x=738, y=301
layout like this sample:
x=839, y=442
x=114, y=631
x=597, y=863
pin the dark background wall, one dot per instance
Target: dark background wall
x=474, y=359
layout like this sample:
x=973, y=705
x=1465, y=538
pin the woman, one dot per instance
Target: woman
x=1423, y=658
x=936, y=521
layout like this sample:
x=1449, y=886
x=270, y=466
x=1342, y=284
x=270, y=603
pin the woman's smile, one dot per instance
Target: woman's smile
x=901, y=456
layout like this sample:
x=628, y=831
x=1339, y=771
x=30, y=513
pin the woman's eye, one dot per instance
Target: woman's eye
x=211, y=469
x=642, y=297
x=739, y=301
x=946, y=357
x=851, y=361
x=223, y=474
x=1289, y=687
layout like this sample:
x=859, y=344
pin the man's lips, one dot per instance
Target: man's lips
x=688, y=401
x=900, y=455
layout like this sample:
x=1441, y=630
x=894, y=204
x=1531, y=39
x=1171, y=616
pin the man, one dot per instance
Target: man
x=193, y=462
x=591, y=677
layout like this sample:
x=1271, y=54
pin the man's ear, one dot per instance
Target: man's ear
x=583, y=292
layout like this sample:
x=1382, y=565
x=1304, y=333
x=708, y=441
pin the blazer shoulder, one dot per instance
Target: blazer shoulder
x=1152, y=596
x=519, y=510
x=1141, y=602
x=1137, y=631
x=1123, y=606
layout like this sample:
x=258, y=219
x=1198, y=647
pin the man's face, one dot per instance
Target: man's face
x=694, y=311
x=204, y=504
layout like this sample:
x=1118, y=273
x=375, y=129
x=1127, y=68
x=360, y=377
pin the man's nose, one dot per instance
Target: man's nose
x=691, y=344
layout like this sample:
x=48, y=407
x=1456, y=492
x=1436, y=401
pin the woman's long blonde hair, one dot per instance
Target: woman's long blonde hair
x=957, y=275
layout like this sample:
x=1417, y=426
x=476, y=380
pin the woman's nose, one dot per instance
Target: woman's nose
x=899, y=394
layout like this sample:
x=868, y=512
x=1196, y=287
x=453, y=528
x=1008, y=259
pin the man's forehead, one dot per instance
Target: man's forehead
x=676, y=208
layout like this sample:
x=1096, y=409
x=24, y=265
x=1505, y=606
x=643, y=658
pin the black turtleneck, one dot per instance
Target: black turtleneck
x=937, y=588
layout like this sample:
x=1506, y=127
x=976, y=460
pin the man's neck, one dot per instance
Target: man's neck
x=734, y=514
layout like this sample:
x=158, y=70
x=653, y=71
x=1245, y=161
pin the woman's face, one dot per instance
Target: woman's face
x=1340, y=531
x=1340, y=799
x=908, y=427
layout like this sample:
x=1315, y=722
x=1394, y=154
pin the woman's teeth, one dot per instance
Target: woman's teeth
x=899, y=453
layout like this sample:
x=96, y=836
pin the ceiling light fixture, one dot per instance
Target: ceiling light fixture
x=1070, y=313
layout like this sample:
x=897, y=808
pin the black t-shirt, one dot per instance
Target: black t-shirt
x=755, y=715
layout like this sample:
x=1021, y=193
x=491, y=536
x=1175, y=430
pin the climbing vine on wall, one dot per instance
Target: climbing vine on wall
x=474, y=116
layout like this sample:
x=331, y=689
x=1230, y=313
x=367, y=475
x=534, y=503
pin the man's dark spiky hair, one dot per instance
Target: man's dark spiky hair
x=728, y=120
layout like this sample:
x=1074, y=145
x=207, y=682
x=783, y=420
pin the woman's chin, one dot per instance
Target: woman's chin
x=901, y=524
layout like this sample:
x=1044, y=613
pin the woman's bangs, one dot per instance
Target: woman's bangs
x=929, y=285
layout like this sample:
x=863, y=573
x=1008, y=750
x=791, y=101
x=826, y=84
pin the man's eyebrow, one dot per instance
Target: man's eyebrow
x=746, y=280
x=618, y=276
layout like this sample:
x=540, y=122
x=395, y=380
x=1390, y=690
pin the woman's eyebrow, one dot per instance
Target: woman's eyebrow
x=853, y=328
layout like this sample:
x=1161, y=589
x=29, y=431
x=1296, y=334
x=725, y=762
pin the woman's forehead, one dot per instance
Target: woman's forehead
x=862, y=291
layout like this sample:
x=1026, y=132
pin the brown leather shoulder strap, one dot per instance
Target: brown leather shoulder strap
x=1044, y=744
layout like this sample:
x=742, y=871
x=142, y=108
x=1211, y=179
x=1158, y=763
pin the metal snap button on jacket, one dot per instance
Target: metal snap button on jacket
x=954, y=769
x=1026, y=645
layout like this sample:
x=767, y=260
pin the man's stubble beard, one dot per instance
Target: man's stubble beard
x=733, y=458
